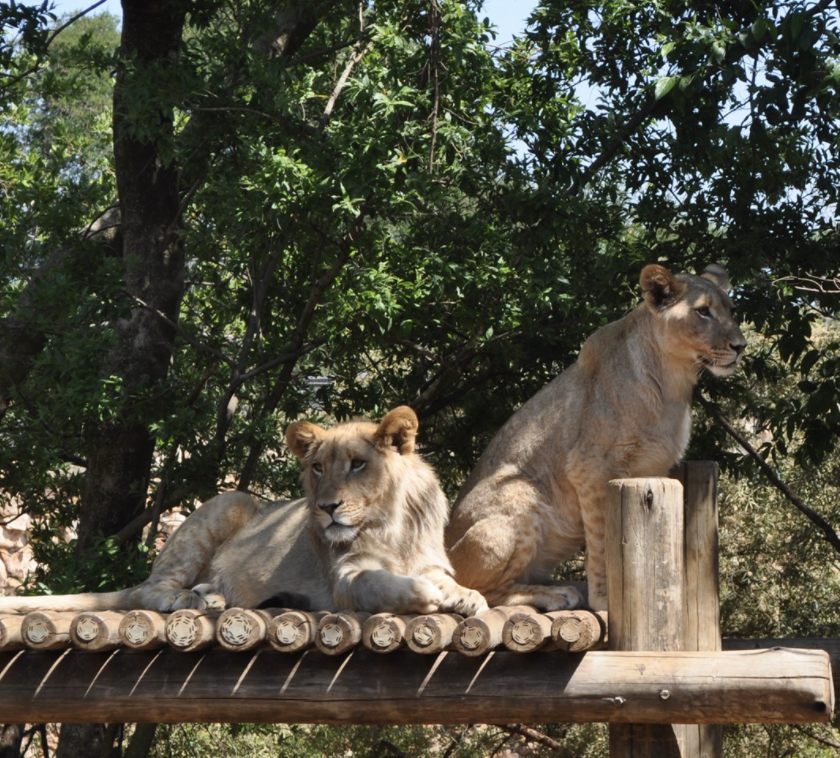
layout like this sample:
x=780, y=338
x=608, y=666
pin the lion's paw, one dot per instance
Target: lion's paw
x=564, y=599
x=466, y=602
x=202, y=597
x=426, y=597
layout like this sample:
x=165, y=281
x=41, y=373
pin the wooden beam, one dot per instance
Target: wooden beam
x=362, y=687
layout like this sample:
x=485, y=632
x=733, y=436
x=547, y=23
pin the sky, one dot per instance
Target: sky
x=507, y=15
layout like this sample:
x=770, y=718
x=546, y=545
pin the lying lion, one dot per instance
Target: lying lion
x=368, y=537
x=622, y=410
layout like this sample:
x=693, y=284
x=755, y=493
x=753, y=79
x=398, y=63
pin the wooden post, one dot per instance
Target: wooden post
x=294, y=631
x=645, y=587
x=527, y=632
x=143, y=630
x=241, y=629
x=702, y=583
x=577, y=631
x=43, y=631
x=384, y=632
x=96, y=630
x=188, y=629
x=339, y=633
x=431, y=634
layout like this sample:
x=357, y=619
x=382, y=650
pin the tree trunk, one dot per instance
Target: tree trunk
x=80, y=740
x=120, y=449
x=11, y=737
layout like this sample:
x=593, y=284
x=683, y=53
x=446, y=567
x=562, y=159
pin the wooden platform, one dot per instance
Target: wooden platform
x=362, y=687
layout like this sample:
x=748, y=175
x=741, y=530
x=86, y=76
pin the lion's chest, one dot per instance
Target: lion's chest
x=662, y=443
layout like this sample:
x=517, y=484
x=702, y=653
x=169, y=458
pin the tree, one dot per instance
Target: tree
x=328, y=208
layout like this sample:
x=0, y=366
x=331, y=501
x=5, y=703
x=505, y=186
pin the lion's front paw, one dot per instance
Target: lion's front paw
x=465, y=602
x=425, y=596
x=202, y=597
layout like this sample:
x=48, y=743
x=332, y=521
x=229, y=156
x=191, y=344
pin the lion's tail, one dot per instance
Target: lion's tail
x=88, y=601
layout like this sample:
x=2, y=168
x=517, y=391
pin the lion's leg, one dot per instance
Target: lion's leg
x=497, y=552
x=364, y=585
x=179, y=577
x=592, y=495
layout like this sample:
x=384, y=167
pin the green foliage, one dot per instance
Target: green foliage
x=400, y=212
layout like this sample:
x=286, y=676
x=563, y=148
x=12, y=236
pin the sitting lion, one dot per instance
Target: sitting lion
x=368, y=537
x=623, y=409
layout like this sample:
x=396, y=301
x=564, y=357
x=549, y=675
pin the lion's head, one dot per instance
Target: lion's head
x=697, y=314
x=359, y=475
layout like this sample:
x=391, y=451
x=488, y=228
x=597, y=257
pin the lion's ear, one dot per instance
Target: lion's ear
x=301, y=435
x=660, y=286
x=716, y=273
x=398, y=429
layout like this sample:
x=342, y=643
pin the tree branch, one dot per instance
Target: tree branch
x=773, y=478
x=532, y=735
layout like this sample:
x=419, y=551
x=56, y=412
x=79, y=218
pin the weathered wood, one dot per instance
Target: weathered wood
x=702, y=584
x=143, y=630
x=431, y=634
x=99, y=630
x=294, y=631
x=46, y=631
x=831, y=646
x=384, y=632
x=771, y=686
x=578, y=631
x=188, y=630
x=339, y=633
x=10, y=633
x=527, y=632
x=482, y=633
x=645, y=569
x=241, y=629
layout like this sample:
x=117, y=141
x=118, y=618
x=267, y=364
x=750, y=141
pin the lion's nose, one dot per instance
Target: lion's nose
x=330, y=508
x=738, y=348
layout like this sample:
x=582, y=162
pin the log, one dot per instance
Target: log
x=340, y=632
x=46, y=631
x=96, y=630
x=701, y=586
x=294, y=631
x=143, y=630
x=384, y=632
x=527, y=632
x=482, y=633
x=10, y=633
x=431, y=634
x=578, y=631
x=241, y=629
x=188, y=629
x=764, y=686
x=645, y=574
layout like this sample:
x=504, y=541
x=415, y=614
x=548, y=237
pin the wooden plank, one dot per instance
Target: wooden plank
x=770, y=686
x=645, y=576
x=702, y=583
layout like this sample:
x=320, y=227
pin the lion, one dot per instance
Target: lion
x=622, y=410
x=368, y=536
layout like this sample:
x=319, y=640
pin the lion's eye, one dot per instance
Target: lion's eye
x=357, y=464
x=318, y=469
x=704, y=312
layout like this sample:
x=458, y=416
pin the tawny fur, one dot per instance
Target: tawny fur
x=623, y=409
x=368, y=537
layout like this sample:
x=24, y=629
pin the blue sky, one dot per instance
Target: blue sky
x=507, y=15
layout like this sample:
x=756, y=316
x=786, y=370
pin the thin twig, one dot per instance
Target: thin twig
x=771, y=475
x=531, y=734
